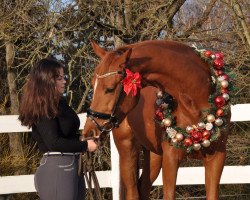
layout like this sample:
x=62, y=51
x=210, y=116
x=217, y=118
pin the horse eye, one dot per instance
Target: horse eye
x=109, y=90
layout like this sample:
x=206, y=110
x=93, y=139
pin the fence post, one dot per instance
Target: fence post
x=115, y=170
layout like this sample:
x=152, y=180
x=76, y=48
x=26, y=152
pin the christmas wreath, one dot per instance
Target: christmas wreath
x=195, y=137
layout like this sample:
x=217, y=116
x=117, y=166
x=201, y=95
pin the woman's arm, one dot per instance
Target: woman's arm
x=49, y=131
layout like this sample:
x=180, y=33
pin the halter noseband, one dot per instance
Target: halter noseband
x=112, y=119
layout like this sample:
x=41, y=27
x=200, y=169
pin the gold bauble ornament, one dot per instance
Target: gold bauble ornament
x=196, y=146
x=167, y=122
x=206, y=143
x=164, y=106
x=174, y=141
x=159, y=94
x=179, y=137
x=210, y=118
x=224, y=83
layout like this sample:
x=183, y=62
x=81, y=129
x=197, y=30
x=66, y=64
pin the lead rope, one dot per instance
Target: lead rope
x=86, y=170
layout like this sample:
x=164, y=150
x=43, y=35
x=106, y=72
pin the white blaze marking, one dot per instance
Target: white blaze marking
x=95, y=86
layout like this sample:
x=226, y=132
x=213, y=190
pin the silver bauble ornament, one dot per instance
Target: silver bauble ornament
x=159, y=102
x=201, y=125
x=206, y=143
x=218, y=122
x=225, y=96
x=224, y=83
x=167, y=122
x=159, y=94
x=196, y=146
x=209, y=126
x=213, y=56
x=210, y=118
x=189, y=129
x=179, y=137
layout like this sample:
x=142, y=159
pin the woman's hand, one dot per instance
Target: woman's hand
x=92, y=145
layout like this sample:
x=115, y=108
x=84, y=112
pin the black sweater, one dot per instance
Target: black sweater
x=60, y=133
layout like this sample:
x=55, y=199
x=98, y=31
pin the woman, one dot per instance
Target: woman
x=54, y=127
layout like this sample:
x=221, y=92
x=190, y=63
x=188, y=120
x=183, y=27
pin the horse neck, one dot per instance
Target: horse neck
x=189, y=85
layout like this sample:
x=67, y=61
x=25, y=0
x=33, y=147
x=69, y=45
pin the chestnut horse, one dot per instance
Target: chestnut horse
x=169, y=66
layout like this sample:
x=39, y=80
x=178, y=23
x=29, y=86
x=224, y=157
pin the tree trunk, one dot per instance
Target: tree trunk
x=15, y=142
x=238, y=11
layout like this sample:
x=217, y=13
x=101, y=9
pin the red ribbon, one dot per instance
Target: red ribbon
x=131, y=82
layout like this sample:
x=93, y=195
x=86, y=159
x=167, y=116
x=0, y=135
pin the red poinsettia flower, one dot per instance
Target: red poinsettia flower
x=131, y=82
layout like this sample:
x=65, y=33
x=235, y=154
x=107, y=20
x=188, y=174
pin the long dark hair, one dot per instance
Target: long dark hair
x=40, y=97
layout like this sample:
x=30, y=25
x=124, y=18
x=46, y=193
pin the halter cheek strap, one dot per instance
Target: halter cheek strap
x=112, y=119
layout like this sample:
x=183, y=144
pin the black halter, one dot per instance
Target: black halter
x=112, y=119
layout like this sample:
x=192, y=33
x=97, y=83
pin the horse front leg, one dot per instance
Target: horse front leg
x=214, y=165
x=129, y=153
x=150, y=171
x=171, y=159
x=213, y=170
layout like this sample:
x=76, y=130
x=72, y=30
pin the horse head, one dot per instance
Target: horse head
x=110, y=104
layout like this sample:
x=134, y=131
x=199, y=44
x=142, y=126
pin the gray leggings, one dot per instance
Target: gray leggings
x=57, y=178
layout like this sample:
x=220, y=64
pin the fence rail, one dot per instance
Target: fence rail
x=110, y=179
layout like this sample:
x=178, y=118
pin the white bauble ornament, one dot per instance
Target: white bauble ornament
x=209, y=126
x=201, y=125
x=206, y=143
x=225, y=96
x=196, y=146
x=189, y=129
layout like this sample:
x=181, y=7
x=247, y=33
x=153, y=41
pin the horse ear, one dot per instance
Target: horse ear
x=100, y=52
x=125, y=56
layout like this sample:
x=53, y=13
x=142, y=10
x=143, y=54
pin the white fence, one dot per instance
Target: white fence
x=110, y=179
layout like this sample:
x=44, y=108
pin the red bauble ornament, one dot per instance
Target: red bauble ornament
x=224, y=90
x=220, y=112
x=218, y=63
x=159, y=114
x=196, y=136
x=208, y=53
x=219, y=55
x=188, y=142
x=218, y=72
x=206, y=134
x=225, y=76
x=219, y=101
